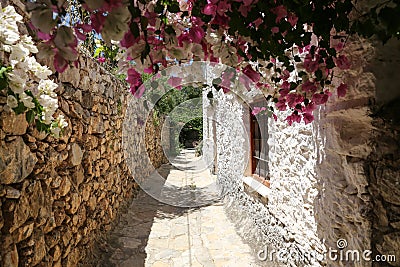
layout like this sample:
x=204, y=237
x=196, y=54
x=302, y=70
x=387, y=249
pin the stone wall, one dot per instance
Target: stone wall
x=57, y=194
x=383, y=164
x=334, y=179
x=282, y=220
x=383, y=173
x=154, y=146
x=343, y=205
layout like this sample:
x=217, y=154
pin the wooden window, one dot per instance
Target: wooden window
x=259, y=147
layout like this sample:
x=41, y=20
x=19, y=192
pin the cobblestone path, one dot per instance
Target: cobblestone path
x=154, y=234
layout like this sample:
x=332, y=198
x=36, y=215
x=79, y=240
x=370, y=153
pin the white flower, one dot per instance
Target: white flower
x=9, y=33
x=55, y=131
x=47, y=87
x=8, y=36
x=62, y=123
x=27, y=100
x=17, y=80
x=18, y=54
x=24, y=66
x=59, y=124
x=12, y=102
x=42, y=72
x=49, y=104
x=11, y=14
x=28, y=43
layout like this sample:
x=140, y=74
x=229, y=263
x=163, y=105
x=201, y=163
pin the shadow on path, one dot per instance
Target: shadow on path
x=151, y=233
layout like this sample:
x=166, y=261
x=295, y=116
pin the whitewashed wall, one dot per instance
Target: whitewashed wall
x=287, y=222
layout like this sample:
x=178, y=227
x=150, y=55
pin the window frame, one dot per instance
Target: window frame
x=263, y=175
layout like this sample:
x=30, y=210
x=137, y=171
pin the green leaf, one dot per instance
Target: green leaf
x=3, y=71
x=3, y=83
x=20, y=108
x=42, y=127
x=293, y=85
x=173, y=8
x=30, y=116
x=98, y=51
x=330, y=64
x=159, y=8
x=318, y=74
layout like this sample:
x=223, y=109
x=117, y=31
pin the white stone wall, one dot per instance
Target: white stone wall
x=321, y=190
x=209, y=148
x=287, y=222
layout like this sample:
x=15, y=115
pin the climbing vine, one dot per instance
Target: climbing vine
x=25, y=81
x=290, y=49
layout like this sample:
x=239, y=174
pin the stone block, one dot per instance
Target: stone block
x=13, y=124
x=75, y=154
x=16, y=161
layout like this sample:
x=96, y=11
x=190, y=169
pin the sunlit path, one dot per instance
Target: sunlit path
x=155, y=234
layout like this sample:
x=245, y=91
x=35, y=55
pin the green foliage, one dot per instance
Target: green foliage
x=176, y=99
x=380, y=21
x=3, y=77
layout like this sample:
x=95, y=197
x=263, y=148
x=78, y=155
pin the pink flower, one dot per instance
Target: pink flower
x=221, y=20
x=285, y=85
x=281, y=105
x=308, y=118
x=339, y=46
x=320, y=98
x=280, y=12
x=341, y=90
x=223, y=6
x=175, y=82
x=294, y=99
x=246, y=2
x=98, y=19
x=128, y=40
x=293, y=118
x=304, y=49
x=310, y=65
x=244, y=10
x=196, y=34
x=284, y=92
x=210, y=9
x=257, y=110
x=275, y=29
x=148, y=70
x=60, y=64
x=309, y=87
x=258, y=22
x=275, y=117
x=292, y=19
x=342, y=62
x=285, y=75
x=134, y=78
x=252, y=74
x=309, y=108
x=101, y=59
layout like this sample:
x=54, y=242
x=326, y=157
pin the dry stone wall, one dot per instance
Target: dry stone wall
x=342, y=208
x=56, y=195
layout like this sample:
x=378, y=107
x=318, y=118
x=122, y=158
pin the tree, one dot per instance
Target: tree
x=291, y=49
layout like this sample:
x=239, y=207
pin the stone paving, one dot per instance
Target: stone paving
x=154, y=234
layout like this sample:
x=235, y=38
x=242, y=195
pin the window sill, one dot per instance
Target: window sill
x=255, y=185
